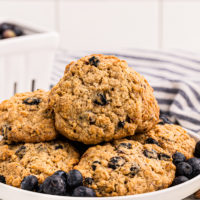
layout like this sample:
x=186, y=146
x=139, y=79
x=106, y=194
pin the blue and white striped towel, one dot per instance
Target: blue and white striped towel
x=174, y=75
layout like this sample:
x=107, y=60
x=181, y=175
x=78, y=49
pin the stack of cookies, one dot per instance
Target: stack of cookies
x=102, y=104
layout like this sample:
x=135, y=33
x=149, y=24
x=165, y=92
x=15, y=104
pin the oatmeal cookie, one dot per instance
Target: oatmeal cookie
x=126, y=167
x=100, y=98
x=40, y=159
x=26, y=118
x=172, y=138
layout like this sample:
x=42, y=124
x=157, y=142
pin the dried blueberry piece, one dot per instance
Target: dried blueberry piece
x=197, y=150
x=184, y=169
x=116, y=162
x=54, y=185
x=2, y=179
x=163, y=156
x=150, y=154
x=178, y=157
x=101, y=101
x=29, y=183
x=134, y=170
x=32, y=101
x=4, y=131
x=74, y=179
x=179, y=179
x=62, y=174
x=88, y=181
x=21, y=151
x=151, y=141
x=128, y=119
x=94, y=61
x=195, y=163
x=94, y=164
x=59, y=146
x=125, y=145
x=164, y=120
x=121, y=124
x=83, y=191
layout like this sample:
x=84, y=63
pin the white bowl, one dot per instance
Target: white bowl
x=173, y=193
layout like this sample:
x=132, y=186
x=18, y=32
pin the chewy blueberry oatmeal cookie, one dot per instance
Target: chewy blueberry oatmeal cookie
x=99, y=99
x=126, y=167
x=172, y=138
x=39, y=159
x=26, y=118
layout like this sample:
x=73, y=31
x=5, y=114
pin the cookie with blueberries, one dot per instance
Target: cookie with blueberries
x=172, y=138
x=25, y=164
x=126, y=167
x=26, y=117
x=100, y=98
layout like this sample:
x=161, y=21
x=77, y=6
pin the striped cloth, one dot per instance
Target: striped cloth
x=174, y=75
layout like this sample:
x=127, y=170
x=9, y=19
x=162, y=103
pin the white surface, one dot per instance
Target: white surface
x=181, y=24
x=173, y=193
x=90, y=24
x=26, y=58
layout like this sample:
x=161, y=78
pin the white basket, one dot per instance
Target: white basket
x=26, y=61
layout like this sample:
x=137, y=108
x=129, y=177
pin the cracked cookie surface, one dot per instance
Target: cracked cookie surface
x=40, y=159
x=172, y=138
x=26, y=117
x=100, y=98
x=126, y=167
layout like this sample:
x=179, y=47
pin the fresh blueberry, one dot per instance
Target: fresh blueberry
x=197, y=150
x=5, y=26
x=83, y=191
x=195, y=163
x=54, y=185
x=30, y=183
x=74, y=179
x=62, y=174
x=179, y=179
x=151, y=141
x=184, y=169
x=178, y=157
x=18, y=31
x=2, y=179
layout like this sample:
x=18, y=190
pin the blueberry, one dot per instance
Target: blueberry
x=5, y=26
x=94, y=164
x=121, y=124
x=178, y=157
x=150, y=154
x=125, y=145
x=101, y=100
x=83, y=191
x=197, y=150
x=151, y=141
x=134, y=169
x=74, y=179
x=94, y=61
x=164, y=120
x=62, y=174
x=29, y=183
x=116, y=162
x=21, y=151
x=32, y=101
x=88, y=181
x=59, y=146
x=2, y=179
x=179, y=180
x=195, y=163
x=184, y=169
x=162, y=156
x=18, y=31
x=54, y=185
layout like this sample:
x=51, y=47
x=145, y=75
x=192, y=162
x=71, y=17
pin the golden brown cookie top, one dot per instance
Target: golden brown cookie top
x=172, y=138
x=100, y=98
x=39, y=159
x=126, y=167
x=26, y=117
